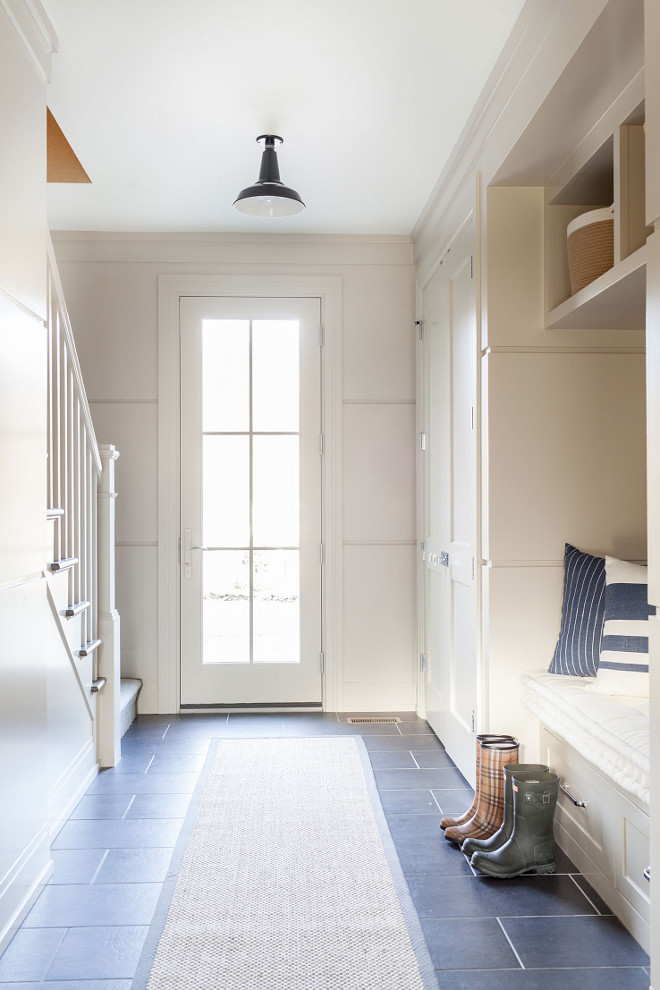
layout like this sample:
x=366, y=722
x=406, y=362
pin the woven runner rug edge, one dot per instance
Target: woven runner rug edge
x=426, y=969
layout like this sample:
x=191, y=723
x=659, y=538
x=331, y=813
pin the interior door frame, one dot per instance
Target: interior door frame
x=170, y=290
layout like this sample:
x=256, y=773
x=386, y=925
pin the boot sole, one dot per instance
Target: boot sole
x=546, y=869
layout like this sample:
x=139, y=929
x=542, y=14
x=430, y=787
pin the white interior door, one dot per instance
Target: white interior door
x=250, y=502
x=450, y=498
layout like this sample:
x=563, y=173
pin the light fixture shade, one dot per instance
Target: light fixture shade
x=269, y=197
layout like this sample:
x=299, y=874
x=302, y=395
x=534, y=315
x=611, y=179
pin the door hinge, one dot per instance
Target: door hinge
x=422, y=552
x=421, y=329
x=473, y=720
x=471, y=266
x=321, y=555
x=422, y=441
x=322, y=445
x=321, y=335
x=472, y=417
x=322, y=659
x=422, y=662
x=473, y=568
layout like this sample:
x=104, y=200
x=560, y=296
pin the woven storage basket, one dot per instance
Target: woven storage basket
x=590, y=246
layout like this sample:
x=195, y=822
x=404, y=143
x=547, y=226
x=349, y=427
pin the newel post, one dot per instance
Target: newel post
x=109, y=699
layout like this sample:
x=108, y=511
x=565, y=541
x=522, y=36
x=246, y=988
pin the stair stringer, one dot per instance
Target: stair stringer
x=71, y=720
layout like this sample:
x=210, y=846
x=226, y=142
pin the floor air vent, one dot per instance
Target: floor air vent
x=379, y=719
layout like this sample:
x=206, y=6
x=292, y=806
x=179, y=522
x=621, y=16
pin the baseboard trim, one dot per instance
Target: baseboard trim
x=23, y=883
x=70, y=787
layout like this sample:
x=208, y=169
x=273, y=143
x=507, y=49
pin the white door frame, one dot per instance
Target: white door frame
x=170, y=290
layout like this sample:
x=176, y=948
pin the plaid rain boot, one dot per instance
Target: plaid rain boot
x=447, y=822
x=490, y=808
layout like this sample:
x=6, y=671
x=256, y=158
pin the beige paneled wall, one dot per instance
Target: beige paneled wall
x=24, y=834
x=110, y=282
x=565, y=457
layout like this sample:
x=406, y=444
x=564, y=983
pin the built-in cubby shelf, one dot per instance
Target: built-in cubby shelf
x=607, y=168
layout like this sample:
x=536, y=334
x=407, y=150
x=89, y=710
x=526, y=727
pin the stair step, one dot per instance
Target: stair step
x=76, y=609
x=62, y=565
x=89, y=648
x=130, y=688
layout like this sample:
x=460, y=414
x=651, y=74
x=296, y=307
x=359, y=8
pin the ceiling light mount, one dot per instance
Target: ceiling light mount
x=269, y=197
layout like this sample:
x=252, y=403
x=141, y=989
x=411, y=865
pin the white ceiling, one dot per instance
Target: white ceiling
x=162, y=101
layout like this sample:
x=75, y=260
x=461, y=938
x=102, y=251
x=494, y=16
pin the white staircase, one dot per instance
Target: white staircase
x=84, y=703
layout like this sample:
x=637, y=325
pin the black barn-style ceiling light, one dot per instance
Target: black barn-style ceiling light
x=269, y=197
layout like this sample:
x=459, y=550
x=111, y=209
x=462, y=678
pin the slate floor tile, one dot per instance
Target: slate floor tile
x=176, y=763
x=431, y=859
x=98, y=954
x=433, y=759
x=479, y=897
x=131, y=834
x=417, y=828
x=467, y=943
x=134, y=763
x=71, y=985
x=392, y=761
x=159, y=806
x=74, y=905
x=453, y=800
x=75, y=865
x=415, y=728
x=102, y=806
x=398, y=780
x=595, y=941
x=108, y=782
x=408, y=802
x=593, y=895
x=134, y=866
x=29, y=954
x=548, y=979
x=386, y=743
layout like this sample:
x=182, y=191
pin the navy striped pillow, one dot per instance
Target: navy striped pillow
x=582, y=614
x=624, y=658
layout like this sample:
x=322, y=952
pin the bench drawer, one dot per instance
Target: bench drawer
x=589, y=826
x=632, y=854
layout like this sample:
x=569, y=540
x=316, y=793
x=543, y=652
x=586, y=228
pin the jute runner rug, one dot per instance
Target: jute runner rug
x=286, y=879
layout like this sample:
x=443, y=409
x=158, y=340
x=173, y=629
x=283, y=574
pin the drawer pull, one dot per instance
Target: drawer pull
x=647, y=873
x=578, y=804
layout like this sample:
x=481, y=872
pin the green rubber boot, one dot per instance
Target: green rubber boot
x=531, y=845
x=504, y=833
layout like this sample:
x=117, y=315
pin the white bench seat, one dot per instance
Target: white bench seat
x=612, y=733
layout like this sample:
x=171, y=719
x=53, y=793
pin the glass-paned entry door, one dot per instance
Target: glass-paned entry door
x=251, y=501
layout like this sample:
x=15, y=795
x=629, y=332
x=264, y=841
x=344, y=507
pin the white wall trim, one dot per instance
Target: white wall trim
x=35, y=30
x=170, y=290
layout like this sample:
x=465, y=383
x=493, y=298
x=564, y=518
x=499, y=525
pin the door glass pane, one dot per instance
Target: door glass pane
x=276, y=618
x=275, y=385
x=276, y=491
x=226, y=375
x=226, y=491
x=226, y=606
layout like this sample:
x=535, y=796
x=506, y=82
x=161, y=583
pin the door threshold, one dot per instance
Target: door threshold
x=248, y=708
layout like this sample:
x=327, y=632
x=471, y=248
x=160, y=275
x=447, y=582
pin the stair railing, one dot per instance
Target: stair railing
x=79, y=480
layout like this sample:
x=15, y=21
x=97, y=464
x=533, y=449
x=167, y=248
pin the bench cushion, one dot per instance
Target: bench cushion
x=611, y=732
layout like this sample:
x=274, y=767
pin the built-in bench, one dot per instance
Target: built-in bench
x=599, y=746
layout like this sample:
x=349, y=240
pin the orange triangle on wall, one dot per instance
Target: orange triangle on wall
x=62, y=163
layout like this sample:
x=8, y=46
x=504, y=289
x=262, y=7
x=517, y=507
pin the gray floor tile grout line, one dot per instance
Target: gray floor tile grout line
x=133, y=797
x=584, y=894
x=513, y=948
x=52, y=958
x=436, y=800
x=150, y=762
x=414, y=760
x=98, y=868
x=167, y=729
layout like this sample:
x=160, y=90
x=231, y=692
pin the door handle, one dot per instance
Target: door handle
x=188, y=546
